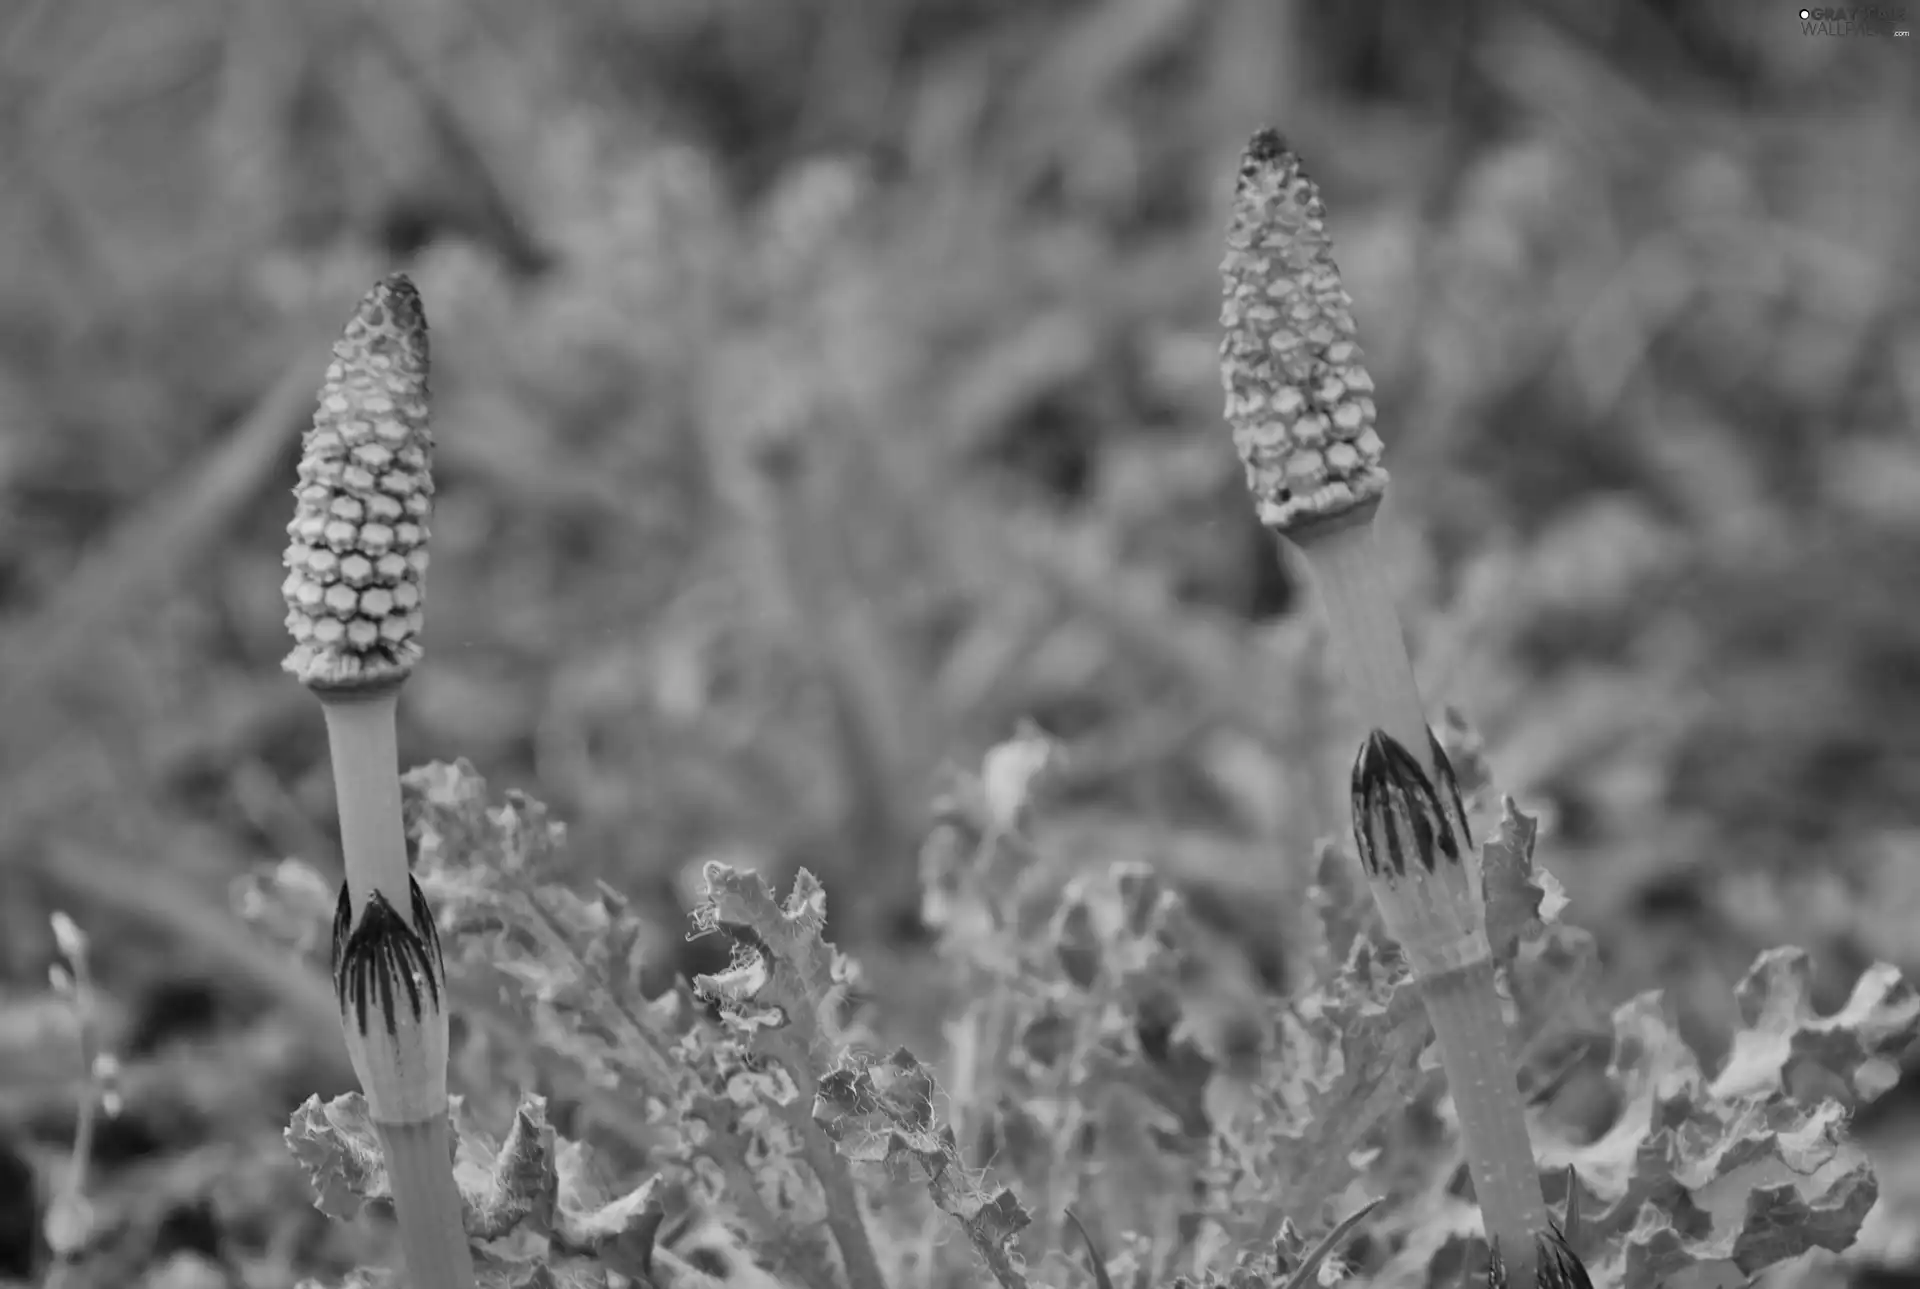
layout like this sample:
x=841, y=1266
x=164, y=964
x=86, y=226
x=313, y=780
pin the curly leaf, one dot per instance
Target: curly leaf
x=785, y=975
x=1343, y=1057
x=590, y=1219
x=530, y=1183
x=543, y=1184
x=1783, y=1044
x=1753, y=1168
x=1518, y=896
x=884, y=1112
x=337, y=1146
x=1553, y=968
x=538, y=1271
x=568, y=965
x=506, y=1187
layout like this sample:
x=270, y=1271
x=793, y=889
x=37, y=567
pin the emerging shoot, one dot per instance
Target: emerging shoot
x=1300, y=402
x=356, y=561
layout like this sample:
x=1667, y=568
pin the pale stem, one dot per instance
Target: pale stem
x=1476, y=1051
x=362, y=735
x=361, y=732
x=1463, y=1004
x=427, y=1204
x=1365, y=630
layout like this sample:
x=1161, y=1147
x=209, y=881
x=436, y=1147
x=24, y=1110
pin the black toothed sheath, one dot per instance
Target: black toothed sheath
x=356, y=564
x=384, y=954
x=1559, y=1266
x=1412, y=835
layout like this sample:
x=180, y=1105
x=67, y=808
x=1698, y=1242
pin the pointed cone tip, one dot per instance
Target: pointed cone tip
x=1268, y=147
x=391, y=308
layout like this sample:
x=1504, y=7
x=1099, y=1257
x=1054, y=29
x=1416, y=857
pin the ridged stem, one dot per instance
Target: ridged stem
x=1432, y=904
x=392, y=990
x=843, y=1217
x=1363, y=626
x=1477, y=1054
x=426, y=1203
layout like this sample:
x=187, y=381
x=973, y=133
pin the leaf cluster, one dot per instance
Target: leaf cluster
x=1083, y=1064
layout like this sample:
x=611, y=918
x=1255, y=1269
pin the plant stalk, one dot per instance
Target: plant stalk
x=363, y=739
x=427, y=1203
x=1363, y=627
x=391, y=983
x=1432, y=902
x=356, y=567
x=1300, y=403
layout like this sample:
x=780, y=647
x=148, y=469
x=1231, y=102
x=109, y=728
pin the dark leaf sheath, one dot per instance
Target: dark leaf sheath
x=1398, y=812
x=1560, y=1267
x=387, y=955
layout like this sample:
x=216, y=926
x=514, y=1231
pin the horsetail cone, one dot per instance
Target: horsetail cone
x=357, y=555
x=1300, y=402
x=1298, y=395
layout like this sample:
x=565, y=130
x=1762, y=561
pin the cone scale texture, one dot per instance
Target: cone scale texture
x=357, y=551
x=1298, y=396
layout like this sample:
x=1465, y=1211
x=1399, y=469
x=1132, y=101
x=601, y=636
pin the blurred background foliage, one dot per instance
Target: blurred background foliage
x=823, y=386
